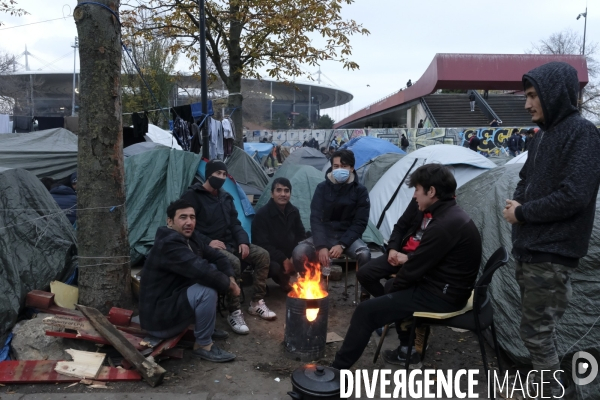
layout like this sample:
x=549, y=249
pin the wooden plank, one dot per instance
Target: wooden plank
x=85, y=364
x=153, y=373
x=39, y=299
x=168, y=344
x=42, y=371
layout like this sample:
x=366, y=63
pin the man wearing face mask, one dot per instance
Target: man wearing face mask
x=218, y=225
x=339, y=213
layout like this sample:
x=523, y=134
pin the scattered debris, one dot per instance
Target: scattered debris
x=84, y=365
x=64, y=295
x=277, y=380
x=42, y=371
x=228, y=377
x=31, y=343
x=333, y=337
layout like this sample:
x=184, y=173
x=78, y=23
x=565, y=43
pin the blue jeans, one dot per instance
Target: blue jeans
x=306, y=249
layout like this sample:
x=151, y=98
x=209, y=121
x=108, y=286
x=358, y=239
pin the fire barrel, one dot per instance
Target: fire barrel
x=305, y=339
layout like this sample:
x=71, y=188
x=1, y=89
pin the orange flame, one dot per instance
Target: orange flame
x=309, y=287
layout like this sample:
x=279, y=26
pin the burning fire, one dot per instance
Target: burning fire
x=309, y=287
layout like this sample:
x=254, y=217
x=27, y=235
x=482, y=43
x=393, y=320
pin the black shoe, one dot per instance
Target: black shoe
x=219, y=334
x=214, y=355
x=364, y=296
x=399, y=358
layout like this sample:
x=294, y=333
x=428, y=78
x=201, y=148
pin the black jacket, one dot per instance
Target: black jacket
x=216, y=217
x=474, y=143
x=514, y=142
x=277, y=232
x=408, y=223
x=66, y=198
x=560, y=179
x=447, y=260
x=341, y=208
x=170, y=269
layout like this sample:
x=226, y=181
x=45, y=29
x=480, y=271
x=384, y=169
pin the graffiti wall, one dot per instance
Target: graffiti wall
x=493, y=140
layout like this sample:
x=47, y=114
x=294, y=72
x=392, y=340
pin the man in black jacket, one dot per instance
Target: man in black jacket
x=514, y=143
x=277, y=228
x=181, y=279
x=219, y=228
x=339, y=214
x=553, y=207
x=439, y=264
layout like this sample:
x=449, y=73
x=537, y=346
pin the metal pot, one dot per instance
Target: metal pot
x=315, y=382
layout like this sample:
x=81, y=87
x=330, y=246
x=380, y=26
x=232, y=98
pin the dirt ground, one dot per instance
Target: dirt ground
x=261, y=369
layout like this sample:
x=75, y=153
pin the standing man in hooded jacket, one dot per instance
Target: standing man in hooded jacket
x=219, y=227
x=339, y=214
x=553, y=207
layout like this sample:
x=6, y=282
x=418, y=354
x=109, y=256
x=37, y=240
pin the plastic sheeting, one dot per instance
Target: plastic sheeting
x=307, y=156
x=37, y=242
x=484, y=198
x=263, y=149
x=389, y=200
x=140, y=148
x=245, y=170
x=153, y=180
x=52, y=152
x=304, y=180
x=158, y=135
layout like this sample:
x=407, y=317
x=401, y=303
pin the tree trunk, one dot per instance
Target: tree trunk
x=104, y=271
x=235, y=75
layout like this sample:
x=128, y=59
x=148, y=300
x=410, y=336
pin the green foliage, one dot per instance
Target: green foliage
x=280, y=121
x=8, y=7
x=325, y=122
x=301, y=121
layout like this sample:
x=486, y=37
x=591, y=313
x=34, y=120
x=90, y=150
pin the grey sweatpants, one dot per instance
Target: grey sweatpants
x=204, y=302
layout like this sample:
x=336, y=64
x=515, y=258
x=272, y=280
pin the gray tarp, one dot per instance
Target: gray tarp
x=154, y=179
x=37, y=242
x=484, y=198
x=307, y=156
x=304, y=180
x=374, y=169
x=141, y=147
x=52, y=152
x=245, y=170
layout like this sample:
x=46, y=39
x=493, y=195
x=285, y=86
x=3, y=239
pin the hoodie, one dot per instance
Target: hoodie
x=559, y=181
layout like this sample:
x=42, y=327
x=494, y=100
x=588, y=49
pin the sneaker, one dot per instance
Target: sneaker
x=215, y=354
x=398, y=357
x=261, y=310
x=219, y=334
x=237, y=323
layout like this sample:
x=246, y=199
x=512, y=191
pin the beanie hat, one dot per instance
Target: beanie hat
x=74, y=178
x=214, y=166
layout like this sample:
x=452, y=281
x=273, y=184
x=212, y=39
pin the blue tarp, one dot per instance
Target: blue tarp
x=366, y=148
x=197, y=109
x=263, y=149
x=242, y=205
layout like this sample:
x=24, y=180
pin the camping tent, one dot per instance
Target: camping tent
x=158, y=135
x=52, y=152
x=245, y=170
x=141, y=147
x=304, y=180
x=483, y=198
x=370, y=173
x=307, y=156
x=390, y=195
x=366, y=148
x=262, y=149
x=520, y=159
x=37, y=242
x=153, y=180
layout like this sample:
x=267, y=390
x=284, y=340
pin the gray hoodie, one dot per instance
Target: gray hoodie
x=559, y=182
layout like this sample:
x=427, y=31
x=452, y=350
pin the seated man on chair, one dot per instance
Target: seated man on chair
x=339, y=214
x=277, y=228
x=182, y=277
x=220, y=228
x=438, y=275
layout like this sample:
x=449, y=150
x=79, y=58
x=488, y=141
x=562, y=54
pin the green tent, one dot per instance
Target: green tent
x=304, y=179
x=483, y=198
x=245, y=170
x=376, y=167
x=154, y=179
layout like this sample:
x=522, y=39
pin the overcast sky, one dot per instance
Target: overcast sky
x=405, y=36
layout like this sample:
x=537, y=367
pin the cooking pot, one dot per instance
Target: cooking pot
x=315, y=382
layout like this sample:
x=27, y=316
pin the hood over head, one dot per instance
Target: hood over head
x=557, y=86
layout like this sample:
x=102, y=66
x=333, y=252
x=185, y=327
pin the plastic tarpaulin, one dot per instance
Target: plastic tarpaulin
x=483, y=198
x=307, y=156
x=158, y=135
x=153, y=180
x=245, y=169
x=390, y=195
x=37, y=243
x=263, y=149
x=304, y=180
x=52, y=152
x=366, y=148
x=141, y=147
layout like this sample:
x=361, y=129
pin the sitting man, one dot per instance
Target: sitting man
x=437, y=275
x=181, y=279
x=277, y=228
x=339, y=214
x=66, y=198
x=400, y=244
x=219, y=228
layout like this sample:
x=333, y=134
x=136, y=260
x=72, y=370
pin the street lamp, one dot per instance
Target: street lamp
x=74, y=46
x=584, y=15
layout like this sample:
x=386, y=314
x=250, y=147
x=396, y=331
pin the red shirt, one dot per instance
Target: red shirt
x=414, y=241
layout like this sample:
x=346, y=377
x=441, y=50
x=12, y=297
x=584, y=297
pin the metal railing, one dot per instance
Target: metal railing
x=484, y=106
x=428, y=112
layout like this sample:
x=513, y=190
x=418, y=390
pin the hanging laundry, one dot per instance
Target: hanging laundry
x=5, y=125
x=140, y=124
x=228, y=131
x=182, y=134
x=183, y=112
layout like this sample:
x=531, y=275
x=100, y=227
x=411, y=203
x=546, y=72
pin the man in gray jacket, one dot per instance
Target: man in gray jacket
x=552, y=212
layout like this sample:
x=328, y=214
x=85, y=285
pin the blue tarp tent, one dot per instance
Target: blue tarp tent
x=366, y=148
x=263, y=149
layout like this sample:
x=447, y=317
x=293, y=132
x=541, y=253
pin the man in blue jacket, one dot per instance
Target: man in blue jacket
x=339, y=214
x=553, y=207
